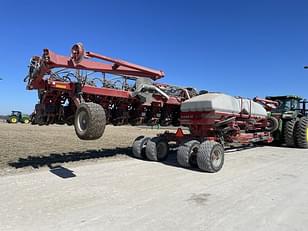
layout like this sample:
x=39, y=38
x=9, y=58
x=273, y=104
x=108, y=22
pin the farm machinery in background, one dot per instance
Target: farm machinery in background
x=90, y=90
x=289, y=119
x=18, y=117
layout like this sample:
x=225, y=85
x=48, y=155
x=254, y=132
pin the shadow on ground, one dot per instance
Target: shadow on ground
x=62, y=172
x=57, y=158
x=172, y=161
x=54, y=160
x=242, y=148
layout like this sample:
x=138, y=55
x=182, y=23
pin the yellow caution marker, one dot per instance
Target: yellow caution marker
x=61, y=86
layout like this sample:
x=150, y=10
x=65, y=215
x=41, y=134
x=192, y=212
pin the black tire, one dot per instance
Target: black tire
x=70, y=121
x=301, y=133
x=139, y=146
x=289, y=136
x=157, y=149
x=26, y=120
x=13, y=120
x=90, y=121
x=272, y=124
x=210, y=157
x=186, y=151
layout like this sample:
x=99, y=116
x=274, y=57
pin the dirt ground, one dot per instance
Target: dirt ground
x=27, y=147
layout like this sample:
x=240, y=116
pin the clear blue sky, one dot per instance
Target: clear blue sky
x=247, y=48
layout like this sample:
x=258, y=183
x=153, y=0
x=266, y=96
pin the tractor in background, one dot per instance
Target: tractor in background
x=289, y=119
x=18, y=117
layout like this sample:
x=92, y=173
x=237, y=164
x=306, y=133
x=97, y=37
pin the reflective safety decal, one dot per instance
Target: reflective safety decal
x=61, y=86
x=179, y=133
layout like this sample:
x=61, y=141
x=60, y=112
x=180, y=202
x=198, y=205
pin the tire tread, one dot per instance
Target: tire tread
x=204, y=156
x=301, y=133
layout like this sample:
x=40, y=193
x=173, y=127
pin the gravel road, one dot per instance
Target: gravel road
x=263, y=188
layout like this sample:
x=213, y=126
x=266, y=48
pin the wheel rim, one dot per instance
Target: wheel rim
x=193, y=155
x=194, y=150
x=83, y=119
x=14, y=120
x=216, y=158
x=143, y=145
x=269, y=124
x=26, y=121
x=162, y=150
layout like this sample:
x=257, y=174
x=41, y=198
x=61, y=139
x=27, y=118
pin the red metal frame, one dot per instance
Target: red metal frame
x=241, y=129
x=266, y=103
x=56, y=91
x=52, y=60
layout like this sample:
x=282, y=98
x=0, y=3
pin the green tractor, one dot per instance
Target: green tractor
x=17, y=116
x=291, y=119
